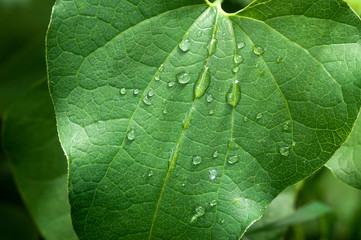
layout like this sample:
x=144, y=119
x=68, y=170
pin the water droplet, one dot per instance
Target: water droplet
x=199, y=33
x=285, y=151
x=234, y=94
x=286, y=126
x=245, y=119
x=235, y=69
x=150, y=173
x=203, y=83
x=197, y=160
x=224, y=34
x=241, y=45
x=200, y=211
x=157, y=78
x=212, y=45
x=258, y=50
x=184, y=183
x=213, y=203
x=233, y=159
x=211, y=112
x=185, y=44
x=187, y=118
x=160, y=69
x=164, y=101
x=136, y=91
x=209, y=98
x=212, y=174
x=261, y=74
x=171, y=84
x=131, y=134
x=293, y=144
x=279, y=59
x=165, y=112
x=259, y=116
x=173, y=157
x=215, y=154
x=223, y=221
x=183, y=78
x=238, y=58
x=151, y=93
x=147, y=101
x=123, y=91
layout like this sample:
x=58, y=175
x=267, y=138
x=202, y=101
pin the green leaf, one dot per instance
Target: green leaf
x=38, y=163
x=160, y=117
x=346, y=162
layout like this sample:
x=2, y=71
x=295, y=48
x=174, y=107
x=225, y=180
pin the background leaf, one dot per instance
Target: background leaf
x=38, y=163
x=156, y=153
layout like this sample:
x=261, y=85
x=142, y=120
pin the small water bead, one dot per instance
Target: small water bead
x=123, y=91
x=213, y=203
x=212, y=45
x=223, y=221
x=199, y=33
x=184, y=183
x=238, y=59
x=147, y=101
x=241, y=45
x=286, y=126
x=259, y=116
x=171, y=84
x=258, y=50
x=211, y=112
x=279, y=59
x=212, y=174
x=151, y=93
x=183, y=78
x=150, y=173
x=285, y=151
x=165, y=112
x=136, y=91
x=161, y=68
x=157, y=78
x=235, y=69
x=209, y=98
x=233, y=159
x=197, y=160
x=200, y=211
x=215, y=154
x=131, y=134
x=185, y=44
x=187, y=118
x=245, y=119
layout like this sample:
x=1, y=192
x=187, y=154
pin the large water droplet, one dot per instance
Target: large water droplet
x=213, y=203
x=241, y=45
x=215, y=154
x=211, y=112
x=183, y=78
x=209, y=98
x=151, y=93
x=285, y=151
x=234, y=94
x=238, y=58
x=197, y=160
x=131, y=134
x=233, y=159
x=136, y=91
x=123, y=91
x=203, y=83
x=171, y=84
x=147, y=101
x=185, y=44
x=258, y=50
x=235, y=69
x=212, y=174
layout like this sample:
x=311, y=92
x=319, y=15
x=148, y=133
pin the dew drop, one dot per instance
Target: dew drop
x=238, y=58
x=161, y=68
x=213, y=203
x=279, y=59
x=171, y=84
x=187, y=118
x=151, y=93
x=261, y=74
x=212, y=174
x=136, y=91
x=157, y=78
x=215, y=154
x=245, y=119
x=234, y=94
x=173, y=157
x=285, y=151
x=150, y=173
x=200, y=211
x=165, y=112
x=259, y=116
x=233, y=159
x=286, y=126
x=223, y=221
x=147, y=101
x=212, y=45
x=197, y=160
x=184, y=183
x=131, y=134
x=183, y=78
x=235, y=69
x=199, y=33
x=209, y=98
x=211, y=112
x=241, y=45
x=258, y=50
x=123, y=91
x=185, y=44
x=203, y=83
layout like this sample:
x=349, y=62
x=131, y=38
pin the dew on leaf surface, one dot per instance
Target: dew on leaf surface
x=165, y=112
x=233, y=159
x=147, y=101
x=213, y=203
x=197, y=160
x=185, y=44
x=259, y=116
x=151, y=93
x=131, y=134
x=235, y=69
x=203, y=83
x=258, y=50
x=183, y=78
x=215, y=154
x=150, y=173
x=209, y=98
x=234, y=94
x=171, y=84
x=211, y=112
x=157, y=78
x=123, y=91
x=241, y=45
x=285, y=151
x=136, y=91
x=238, y=58
x=212, y=174
x=279, y=59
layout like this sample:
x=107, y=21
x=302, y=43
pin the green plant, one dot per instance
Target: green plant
x=182, y=121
